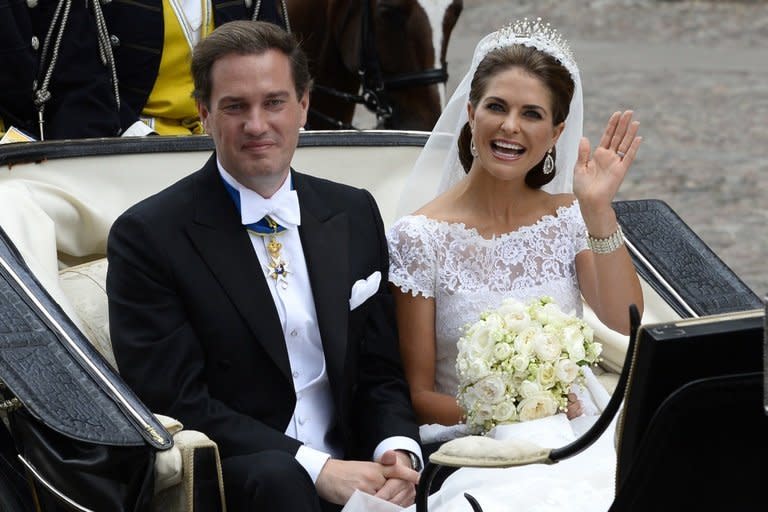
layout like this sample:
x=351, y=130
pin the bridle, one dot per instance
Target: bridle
x=372, y=81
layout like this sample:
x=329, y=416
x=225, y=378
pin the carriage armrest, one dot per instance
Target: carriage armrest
x=485, y=452
x=188, y=476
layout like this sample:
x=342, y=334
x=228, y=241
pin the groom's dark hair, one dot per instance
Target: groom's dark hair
x=245, y=37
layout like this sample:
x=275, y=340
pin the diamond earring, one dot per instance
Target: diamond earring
x=549, y=163
x=473, y=149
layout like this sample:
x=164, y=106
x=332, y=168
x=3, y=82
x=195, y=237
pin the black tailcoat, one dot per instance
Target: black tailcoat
x=196, y=333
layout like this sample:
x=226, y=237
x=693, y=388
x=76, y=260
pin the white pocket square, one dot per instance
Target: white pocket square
x=363, y=289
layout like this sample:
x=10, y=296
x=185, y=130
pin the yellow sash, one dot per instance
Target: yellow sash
x=170, y=109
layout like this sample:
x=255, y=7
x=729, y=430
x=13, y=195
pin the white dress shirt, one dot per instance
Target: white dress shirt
x=314, y=413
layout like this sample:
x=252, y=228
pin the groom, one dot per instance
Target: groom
x=249, y=300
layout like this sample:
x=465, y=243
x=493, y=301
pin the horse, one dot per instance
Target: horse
x=388, y=55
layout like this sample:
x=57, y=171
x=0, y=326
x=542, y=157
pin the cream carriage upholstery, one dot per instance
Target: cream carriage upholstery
x=58, y=213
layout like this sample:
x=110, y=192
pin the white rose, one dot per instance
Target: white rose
x=520, y=362
x=572, y=335
x=515, y=315
x=505, y=412
x=573, y=342
x=462, y=365
x=491, y=389
x=588, y=332
x=495, y=324
x=524, y=340
x=545, y=311
x=593, y=351
x=480, y=338
x=566, y=370
x=468, y=398
x=537, y=406
x=481, y=414
x=546, y=346
x=502, y=351
x=545, y=375
x=477, y=369
x=529, y=388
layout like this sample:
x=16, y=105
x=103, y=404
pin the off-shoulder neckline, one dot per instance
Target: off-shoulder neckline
x=474, y=231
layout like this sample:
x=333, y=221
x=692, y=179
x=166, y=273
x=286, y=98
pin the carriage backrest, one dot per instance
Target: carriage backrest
x=58, y=210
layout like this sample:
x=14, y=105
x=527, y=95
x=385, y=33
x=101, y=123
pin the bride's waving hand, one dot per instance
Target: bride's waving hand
x=606, y=274
x=597, y=176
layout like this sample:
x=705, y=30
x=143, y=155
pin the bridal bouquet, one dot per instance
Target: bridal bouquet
x=517, y=363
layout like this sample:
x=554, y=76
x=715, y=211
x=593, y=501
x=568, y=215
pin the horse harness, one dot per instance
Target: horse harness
x=373, y=82
x=269, y=13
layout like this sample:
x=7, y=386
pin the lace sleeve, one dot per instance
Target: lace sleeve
x=578, y=228
x=412, y=263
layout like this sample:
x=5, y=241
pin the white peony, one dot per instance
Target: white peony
x=491, y=389
x=480, y=339
x=566, y=370
x=525, y=339
x=505, y=412
x=515, y=315
x=593, y=351
x=530, y=388
x=482, y=413
x=476, y=369
x=546, y=375
x=573, y=342
x=520, y=362
x=546, y=346
x=549, y=313
x=536, y=406
x=503, y=351
x=468, y=398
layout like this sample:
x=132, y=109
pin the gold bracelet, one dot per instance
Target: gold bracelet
x=606, y=245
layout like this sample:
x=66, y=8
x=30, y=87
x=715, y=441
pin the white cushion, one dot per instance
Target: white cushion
x=85, y=287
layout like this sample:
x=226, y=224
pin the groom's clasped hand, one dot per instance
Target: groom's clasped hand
x=390, y=479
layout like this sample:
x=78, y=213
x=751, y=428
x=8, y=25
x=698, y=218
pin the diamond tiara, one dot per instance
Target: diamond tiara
x=535, y=33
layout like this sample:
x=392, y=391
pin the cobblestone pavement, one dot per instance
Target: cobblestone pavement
x=696, y=74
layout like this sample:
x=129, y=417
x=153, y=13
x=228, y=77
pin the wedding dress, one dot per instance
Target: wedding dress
x=468, y=274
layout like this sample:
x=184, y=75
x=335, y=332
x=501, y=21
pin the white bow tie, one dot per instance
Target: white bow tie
x=283, y=208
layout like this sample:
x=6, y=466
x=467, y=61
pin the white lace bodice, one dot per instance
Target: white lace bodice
x=468, y=274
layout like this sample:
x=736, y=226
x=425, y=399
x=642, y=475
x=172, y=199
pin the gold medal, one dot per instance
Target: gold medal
x=277, y=266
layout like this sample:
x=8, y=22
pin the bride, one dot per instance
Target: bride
x=510, y=201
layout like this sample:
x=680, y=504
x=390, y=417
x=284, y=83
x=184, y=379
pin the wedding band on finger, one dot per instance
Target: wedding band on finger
x=620, y=153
